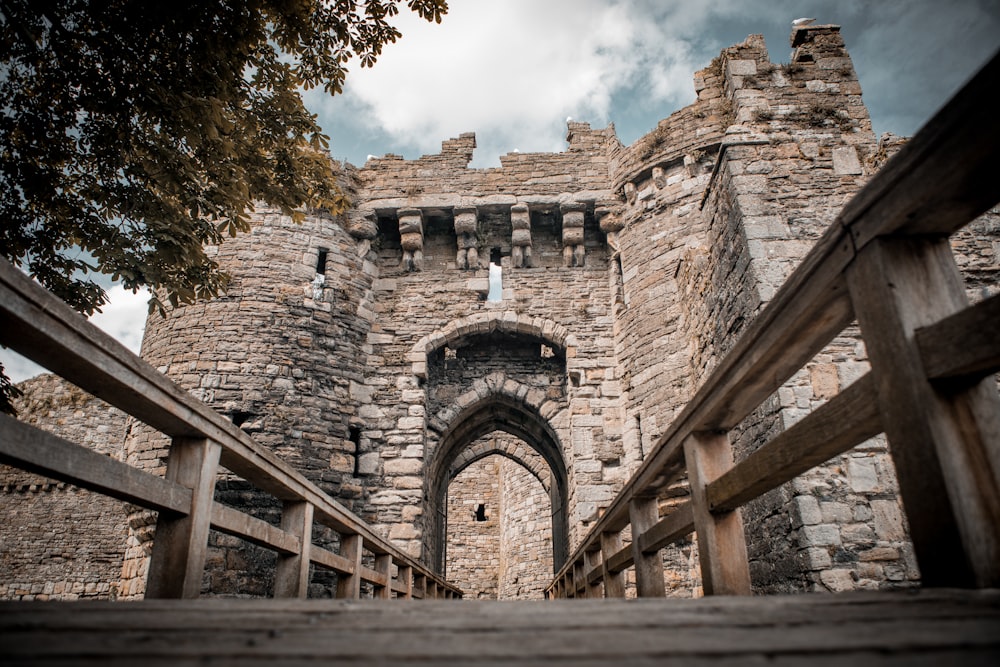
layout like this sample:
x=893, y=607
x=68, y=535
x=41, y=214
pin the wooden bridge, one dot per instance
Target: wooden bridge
x=885, y=263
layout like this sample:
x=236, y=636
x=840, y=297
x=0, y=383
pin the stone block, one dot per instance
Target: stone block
x=806, y=511
x=862, y=474
x=819, y=536
x=846, y=162
x=888, y=520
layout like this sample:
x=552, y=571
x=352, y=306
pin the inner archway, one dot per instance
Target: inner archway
x=499, y=523
x=518, y=433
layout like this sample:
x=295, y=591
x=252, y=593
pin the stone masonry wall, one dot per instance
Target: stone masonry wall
x=58, y=541
x=474, y=536
x=525, y=535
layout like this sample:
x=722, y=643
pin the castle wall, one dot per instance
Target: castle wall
x=58, y=541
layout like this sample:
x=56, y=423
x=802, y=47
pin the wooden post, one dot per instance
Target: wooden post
x=181, y=543
x=722, y=547
x=944, y=440
x=419, y=586
x=614, y=582
x=405, y=577
x=291, y=576
x=593, y=564
x=579, y=580
x=349, y=585
x=383, y=565
x=643, y=514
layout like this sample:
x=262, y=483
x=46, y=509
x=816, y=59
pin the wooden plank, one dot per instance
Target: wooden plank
x=849, y=418
x=328, y=559
x=181, y=543
x=861, y=629
x=404, y=578
x=29, y=448
x=614, y=580
x=383, y=566
x=250, y=528
x=722, y=547
x=594, y=570
x=679, y=523
x=291, y=575
x=805, y=314
x=644, y=514
x=963, y=345
x=945, y=444
x=943, y=177
x=374, y=576
x=419, y=585
x=349, y=583
x=44, y=329
x=621, y=560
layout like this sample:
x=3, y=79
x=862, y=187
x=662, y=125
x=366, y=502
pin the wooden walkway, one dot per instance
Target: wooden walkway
x=929, y=627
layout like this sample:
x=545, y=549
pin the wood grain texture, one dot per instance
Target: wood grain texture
x=964, y=346
x=722, y=547
x=291, y=575
x=29, y=448
x=846, y=420
x=38, y=325
x=945, y=444
x=181, y=544
x=925, y=628
x=233, y=522
x=349, y=585
x=644, y=513
x=679, y=523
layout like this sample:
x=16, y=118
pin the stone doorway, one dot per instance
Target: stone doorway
x=498, y=541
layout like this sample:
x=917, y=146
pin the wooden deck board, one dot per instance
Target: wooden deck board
x=929, y=627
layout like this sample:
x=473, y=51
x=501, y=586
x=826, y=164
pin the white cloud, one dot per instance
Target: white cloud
x=511, y=71
x=124, y=316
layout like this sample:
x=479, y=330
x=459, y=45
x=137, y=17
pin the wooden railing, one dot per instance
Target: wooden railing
x=41, y=327
x=886, y=263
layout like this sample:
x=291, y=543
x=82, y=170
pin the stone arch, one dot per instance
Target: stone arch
x=515, y=453
x=495, y=403
x=506, y=321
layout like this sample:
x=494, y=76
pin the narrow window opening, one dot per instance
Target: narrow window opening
x=321, y=262
x=481, y=512
x=546, y=352
x=622, y=294
x=496, y=277
x=355, y=437
x=638, y=435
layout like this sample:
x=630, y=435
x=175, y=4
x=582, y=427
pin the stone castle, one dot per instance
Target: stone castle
x=484, y=431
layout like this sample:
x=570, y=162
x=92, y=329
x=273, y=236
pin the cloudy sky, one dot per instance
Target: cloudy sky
x=513, y=70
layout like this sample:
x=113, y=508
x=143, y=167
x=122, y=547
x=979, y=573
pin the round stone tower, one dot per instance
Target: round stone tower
x=281, y=354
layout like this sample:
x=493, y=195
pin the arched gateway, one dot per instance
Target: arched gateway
x=489, y=372
x=498, y=411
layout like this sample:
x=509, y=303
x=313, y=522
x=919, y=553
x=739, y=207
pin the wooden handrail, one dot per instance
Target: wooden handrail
x=39, y=326
x=938, y=182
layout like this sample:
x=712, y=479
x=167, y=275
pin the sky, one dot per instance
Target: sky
x=513, y=71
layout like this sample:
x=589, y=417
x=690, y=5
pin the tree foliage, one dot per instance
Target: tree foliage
x=134, y=133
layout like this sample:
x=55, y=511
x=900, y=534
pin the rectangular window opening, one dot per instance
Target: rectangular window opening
x=355, y=437
x=321, y=262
